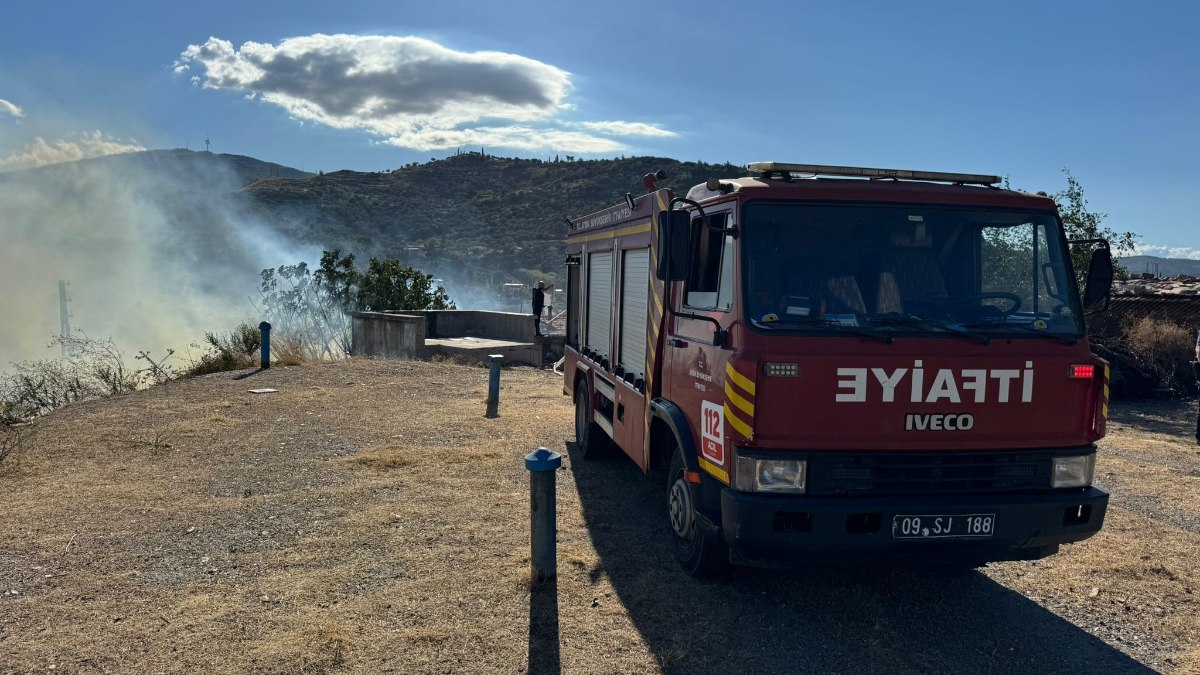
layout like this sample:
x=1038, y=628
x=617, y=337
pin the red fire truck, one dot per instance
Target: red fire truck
x=842, y=364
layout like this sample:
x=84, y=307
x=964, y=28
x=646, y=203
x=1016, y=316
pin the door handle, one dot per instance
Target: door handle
x=676, y=342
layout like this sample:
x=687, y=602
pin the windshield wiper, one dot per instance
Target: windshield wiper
x=1024, y=328
x=831, y=324
x=911, y=320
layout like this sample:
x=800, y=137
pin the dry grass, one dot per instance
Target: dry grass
x=288, y=350
x=368, y=518
x=1165, y=349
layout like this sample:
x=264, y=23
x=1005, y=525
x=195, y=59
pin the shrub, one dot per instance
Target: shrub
x=234, y=350
x=91, y=369
x=1163, y=350
x=11, y=439
x=287, y=349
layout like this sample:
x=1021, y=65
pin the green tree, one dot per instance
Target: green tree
x=1080, y=223
x=388, y=285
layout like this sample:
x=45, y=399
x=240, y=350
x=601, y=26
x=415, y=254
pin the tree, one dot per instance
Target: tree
x=1080, y=223
x=312, y=306
x=388, y=285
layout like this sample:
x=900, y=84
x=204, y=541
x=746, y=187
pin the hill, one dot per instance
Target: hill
x=484, y=217
x=1163, y=267
x=201, y=166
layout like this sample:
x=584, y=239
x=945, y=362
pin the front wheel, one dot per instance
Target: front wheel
x=700, y=555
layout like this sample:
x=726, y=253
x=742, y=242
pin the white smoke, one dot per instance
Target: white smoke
x=83, y=146
x=155, y=252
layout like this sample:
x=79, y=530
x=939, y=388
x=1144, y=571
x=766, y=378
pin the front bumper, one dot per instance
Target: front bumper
x=837, y=530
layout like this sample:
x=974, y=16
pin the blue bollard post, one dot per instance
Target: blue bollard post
x=493, y=397
x=264, y=348
x=543, y=550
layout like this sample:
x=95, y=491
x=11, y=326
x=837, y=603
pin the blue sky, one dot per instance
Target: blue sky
x=1109, y=90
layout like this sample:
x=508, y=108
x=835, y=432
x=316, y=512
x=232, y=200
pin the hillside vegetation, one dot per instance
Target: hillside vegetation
x=493, y=215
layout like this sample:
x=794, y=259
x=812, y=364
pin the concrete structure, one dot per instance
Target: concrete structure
x=463, y=334
x=392, y=336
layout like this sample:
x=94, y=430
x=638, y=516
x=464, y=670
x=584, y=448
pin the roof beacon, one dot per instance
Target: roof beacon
x=785, y=170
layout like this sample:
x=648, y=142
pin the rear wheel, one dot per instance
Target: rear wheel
x=700, y=555
x=589, y=438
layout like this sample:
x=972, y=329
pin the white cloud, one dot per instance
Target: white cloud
x=628, y=129
x=1167, y=251
x=82, y=146
x=411, y=91
x=11, y=109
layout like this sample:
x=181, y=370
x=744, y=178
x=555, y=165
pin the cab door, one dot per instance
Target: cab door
x=696, y=363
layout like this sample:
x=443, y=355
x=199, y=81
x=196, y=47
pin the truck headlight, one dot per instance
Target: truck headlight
x=771, y=475
x=1074, y=471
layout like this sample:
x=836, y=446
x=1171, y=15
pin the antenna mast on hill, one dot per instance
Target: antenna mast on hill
x=64, y=316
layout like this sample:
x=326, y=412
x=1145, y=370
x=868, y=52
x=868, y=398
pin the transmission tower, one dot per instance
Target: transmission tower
x=64, y=316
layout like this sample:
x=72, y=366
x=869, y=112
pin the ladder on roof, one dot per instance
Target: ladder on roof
x=786, y=170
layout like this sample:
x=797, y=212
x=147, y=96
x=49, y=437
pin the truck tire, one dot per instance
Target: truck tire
x=700, y=555
x=590, y=439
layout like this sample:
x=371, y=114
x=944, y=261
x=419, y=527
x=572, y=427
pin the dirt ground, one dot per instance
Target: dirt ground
x=367, y=518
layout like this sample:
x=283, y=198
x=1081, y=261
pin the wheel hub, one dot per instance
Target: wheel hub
x=682, y=513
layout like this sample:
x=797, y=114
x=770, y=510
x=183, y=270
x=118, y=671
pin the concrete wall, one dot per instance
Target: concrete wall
x=393, y=336
x=477, y=323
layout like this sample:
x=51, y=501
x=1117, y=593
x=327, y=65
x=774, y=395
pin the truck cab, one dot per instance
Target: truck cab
x=854, y=365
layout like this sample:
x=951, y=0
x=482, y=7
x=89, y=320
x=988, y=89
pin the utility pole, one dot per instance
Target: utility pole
x=64, y=316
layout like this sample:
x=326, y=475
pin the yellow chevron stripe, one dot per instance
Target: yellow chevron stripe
x=741, y=380
x=717, y=472
x=1104, y=410
x=733, y=421
x=739, y=402
x=632, y=229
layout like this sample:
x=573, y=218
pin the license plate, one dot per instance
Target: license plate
x=972, y=525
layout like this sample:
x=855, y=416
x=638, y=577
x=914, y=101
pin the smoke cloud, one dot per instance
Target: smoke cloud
x=154, y=249
x=83, y=146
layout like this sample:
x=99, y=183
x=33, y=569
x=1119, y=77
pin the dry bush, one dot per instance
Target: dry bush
x=288, y=349
x=91, y=369
x=1164, y=350
x=11, y=439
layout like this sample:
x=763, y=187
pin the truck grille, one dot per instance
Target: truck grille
x=902, y=473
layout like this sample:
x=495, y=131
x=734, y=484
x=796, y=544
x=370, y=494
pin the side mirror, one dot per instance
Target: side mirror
x=673, y=240
x=1098, y=287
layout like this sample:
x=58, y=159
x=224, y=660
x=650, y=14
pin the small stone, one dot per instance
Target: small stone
x=1094, y=592
x=205, y=559
x=191, y=529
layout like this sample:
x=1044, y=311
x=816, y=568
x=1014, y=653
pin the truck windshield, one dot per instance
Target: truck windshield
x=908, y=269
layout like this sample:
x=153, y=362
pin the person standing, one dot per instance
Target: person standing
x=1196, y=371
x=539, y=302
